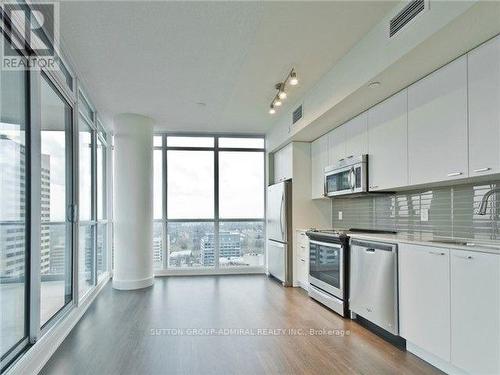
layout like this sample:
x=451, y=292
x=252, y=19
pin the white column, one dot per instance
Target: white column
x=133, y=202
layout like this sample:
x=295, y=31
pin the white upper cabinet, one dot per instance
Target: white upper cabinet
x=283, y=163
x=424, y=298
x=356, y=136
x=475, y=312
x=319, y=160
x=437, y=125
x=484, y=108
x=387, y=143
x=336, y=145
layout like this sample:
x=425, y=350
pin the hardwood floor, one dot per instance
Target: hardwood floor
x=127, y=332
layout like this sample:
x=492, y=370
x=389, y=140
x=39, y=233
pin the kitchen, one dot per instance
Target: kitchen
x=395, y=223
x=291, y=187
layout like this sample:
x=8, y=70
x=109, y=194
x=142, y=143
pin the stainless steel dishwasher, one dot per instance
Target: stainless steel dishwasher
x=374, y=283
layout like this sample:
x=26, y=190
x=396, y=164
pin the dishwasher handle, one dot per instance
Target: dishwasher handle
x=371, y=246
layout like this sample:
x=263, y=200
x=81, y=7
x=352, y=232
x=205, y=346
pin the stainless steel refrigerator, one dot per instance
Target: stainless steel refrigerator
x=279, y=232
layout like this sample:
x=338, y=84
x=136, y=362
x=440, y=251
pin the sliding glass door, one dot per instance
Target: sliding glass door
x=13, y=210
x=56, y=199
x=45, y=227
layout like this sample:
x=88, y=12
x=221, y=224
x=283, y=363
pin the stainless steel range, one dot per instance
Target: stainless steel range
x=328, y=268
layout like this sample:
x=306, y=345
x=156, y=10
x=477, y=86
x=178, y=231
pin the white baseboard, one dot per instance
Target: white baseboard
x=37, y=356
x=133, y=284
x=195, y=272
x=441, y=364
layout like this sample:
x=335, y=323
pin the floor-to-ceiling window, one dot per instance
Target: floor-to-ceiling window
x=13, y=209
x=208, y=202
x=86, y=225
x=102, y=212
x=43, y=158
x=93, y=236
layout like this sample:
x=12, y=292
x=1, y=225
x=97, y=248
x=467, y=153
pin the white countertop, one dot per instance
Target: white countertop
x=428, y=239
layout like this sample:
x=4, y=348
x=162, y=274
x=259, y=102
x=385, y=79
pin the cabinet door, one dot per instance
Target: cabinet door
x=303, y=258
x=424, y=298
x=437, y=125
x=387, y=143
x=336, y=145
x=283, y=159
x=319, y=160
x=475, y=312
x=484, y=108
x=356, y=135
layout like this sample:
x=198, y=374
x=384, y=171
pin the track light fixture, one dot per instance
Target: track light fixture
x=281, y=95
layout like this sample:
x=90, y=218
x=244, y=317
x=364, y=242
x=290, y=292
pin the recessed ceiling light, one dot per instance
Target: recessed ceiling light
x=374, y=84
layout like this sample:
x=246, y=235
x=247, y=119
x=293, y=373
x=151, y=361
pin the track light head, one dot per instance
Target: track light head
x=293, y=79
x=272, y=111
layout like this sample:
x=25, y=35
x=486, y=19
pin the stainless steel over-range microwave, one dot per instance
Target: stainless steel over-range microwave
x=348, y=176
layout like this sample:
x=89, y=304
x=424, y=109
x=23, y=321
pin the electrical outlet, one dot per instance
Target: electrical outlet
x=340, y=215
x=424, y=214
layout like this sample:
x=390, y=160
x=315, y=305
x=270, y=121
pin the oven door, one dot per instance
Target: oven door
x=339, y=181
x=326, y=267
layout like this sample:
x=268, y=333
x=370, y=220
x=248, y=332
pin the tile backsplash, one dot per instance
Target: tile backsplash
x=451, y=212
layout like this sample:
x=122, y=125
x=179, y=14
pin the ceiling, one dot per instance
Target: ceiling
x=162, y=59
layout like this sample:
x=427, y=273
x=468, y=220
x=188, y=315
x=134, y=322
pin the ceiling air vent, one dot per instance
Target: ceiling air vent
x=408, y=13
x=297, y=114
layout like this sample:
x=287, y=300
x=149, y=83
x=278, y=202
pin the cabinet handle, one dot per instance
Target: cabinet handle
x=373, y=186
x=302, y=247
x=482, y=170
x=453, y=174
x=465, y=256
x=350, y=157
x=436, y=253
x=341, y=160
x=302, y=259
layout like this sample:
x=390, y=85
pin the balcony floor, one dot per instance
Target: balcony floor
x=139, y=332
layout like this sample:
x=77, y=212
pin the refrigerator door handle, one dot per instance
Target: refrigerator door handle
x=281, y=217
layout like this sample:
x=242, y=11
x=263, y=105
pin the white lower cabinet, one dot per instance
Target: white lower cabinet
x=302, y=259
x=449, y=307
x=475, y=312
x=424, y=298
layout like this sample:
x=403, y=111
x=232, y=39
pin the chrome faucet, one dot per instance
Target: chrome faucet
x=484, y=202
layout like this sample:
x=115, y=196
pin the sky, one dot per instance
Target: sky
x=191, y=184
